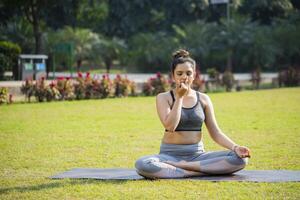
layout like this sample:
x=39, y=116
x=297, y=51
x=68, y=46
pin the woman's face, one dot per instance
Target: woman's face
x=184, y=73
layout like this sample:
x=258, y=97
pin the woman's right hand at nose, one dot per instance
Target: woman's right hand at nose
x=181, y=89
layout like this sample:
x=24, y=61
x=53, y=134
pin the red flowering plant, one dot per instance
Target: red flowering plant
x=148, y=88
x=123, y=86
x=10, y=99
x=65, y=87
x=79, y=86
x=96, y=90
x=199, y=82
x=60, y=85
x=132, y=88
x=52, y=93
x=105, y=86
x=156, y=85
x=88, y=85
x=40, y=90
x=28, y=89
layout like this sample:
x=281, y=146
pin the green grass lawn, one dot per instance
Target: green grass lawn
x=41, y=139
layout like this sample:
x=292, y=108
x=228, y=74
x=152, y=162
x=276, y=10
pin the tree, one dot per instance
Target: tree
x=264, y=11
x=286, y=34
x=149, y=52
x=9, y=58
x=92, y=13
x=231, y=37
x=108, y=50
x=82, y=39
x=32, y=11
x=53, y=14
x=19, y=31
x=127, y=19
x=260, y=53
x=198, y=39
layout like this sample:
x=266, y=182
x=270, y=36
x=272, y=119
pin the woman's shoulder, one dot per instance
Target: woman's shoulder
x=163, y=95
x=204, y=98
x=203, y=95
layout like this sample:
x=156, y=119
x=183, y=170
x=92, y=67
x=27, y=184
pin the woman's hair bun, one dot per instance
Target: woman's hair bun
x=181, y=53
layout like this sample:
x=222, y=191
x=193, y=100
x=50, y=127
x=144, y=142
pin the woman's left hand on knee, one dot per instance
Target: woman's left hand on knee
x=242, y=151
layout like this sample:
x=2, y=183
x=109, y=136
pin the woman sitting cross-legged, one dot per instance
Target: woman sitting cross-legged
x=182, y=112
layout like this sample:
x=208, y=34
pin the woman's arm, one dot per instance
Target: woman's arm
x=216, y=133
x=169, y=118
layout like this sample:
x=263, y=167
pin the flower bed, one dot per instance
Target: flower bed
x=83, y=87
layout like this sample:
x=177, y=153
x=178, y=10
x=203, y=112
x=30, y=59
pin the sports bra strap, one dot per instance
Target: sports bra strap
x=198, y=96
x=198, y=99
x=173, y=98
x=172, y=94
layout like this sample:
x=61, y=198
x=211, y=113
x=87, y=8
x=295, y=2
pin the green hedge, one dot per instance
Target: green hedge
x=9, y=58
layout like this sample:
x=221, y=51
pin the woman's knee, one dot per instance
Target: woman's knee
x=147, y=164
x=237, y=161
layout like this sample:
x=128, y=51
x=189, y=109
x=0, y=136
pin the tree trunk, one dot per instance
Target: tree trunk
x=229, y=61
x=108, y=64
x=38, y=38
x=32, y=14
x=79, y=62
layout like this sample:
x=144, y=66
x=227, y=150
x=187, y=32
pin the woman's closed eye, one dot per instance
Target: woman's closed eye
x=189, y=73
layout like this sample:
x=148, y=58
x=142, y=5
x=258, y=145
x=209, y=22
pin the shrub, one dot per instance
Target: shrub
x=213, y=73
x=3, y=95
x=198, y=83
x=156, y=85
x=65, y=87
x=40, y=90
x=79, y=87
x=82, y=88
x=28, y=89
x=228, y=80
x=88, y=86
x=148, y=88
x=256, y=78
x=214, y=79
x=289, y=77
x=59, y=89
x=105, y=86
x=52, y=93
x=123, y=87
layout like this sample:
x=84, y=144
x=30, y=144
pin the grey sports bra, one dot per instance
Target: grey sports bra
x=191, y=119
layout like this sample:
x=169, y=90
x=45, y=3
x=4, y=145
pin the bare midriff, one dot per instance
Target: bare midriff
x=182, y=137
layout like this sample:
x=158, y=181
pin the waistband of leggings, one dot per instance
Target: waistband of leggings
x=182, y=149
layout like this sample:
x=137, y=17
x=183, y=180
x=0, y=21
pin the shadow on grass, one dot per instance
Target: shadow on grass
x=60, y=183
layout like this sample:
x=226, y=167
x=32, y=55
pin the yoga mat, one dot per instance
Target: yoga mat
x=130, y=174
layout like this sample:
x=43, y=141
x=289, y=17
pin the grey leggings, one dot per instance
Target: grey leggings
x=215, y=162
